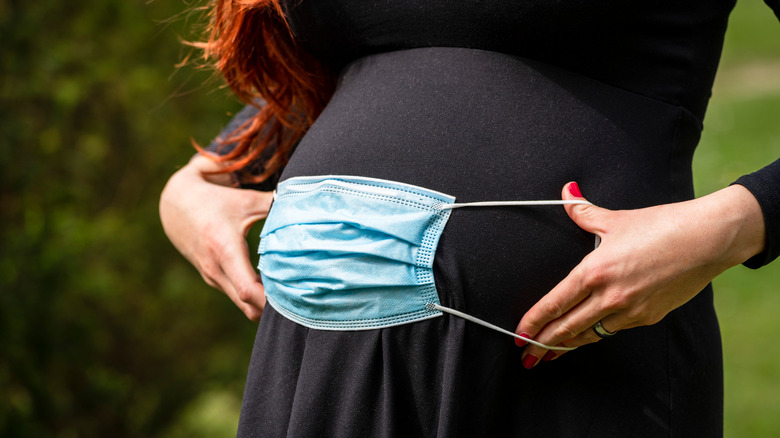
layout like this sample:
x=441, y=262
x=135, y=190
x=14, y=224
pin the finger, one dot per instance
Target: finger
x=250, y=205
x=589, y=333
x=609, y=324
x=581, y=320
x=241, y=275
x=208, y=169
x=215, y=277
x=562, y=298
x=227, y=264
x=553, y=354
x=589, y=336
x=567, y=294
x=252, y=311
x=562, y=330
x=254, y=206
x=588, y=217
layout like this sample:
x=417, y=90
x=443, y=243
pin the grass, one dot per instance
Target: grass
x=742, y=134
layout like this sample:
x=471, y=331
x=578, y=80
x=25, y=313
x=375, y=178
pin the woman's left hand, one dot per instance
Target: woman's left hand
x=650, y=261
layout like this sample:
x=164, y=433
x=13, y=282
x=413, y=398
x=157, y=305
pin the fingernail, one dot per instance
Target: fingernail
x=549, y=356
x=530, y=361
x=574, y=189
x=521, y=343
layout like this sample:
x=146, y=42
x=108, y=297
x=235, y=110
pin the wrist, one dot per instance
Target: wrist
x=740, y=223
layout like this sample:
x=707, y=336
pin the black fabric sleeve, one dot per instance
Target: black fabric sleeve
x=765, y=186
x=218, y=147
x=242, y=116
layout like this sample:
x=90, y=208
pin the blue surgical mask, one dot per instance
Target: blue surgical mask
x=356, y=253
x=347, y=253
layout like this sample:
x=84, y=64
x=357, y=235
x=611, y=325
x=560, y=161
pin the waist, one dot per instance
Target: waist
x=355, y=253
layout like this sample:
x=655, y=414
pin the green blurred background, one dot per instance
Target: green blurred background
x=106, y=331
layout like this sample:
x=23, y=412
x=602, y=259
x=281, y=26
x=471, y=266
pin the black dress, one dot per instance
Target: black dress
x=505, y=100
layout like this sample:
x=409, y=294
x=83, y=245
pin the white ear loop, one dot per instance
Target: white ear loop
x=466, y=316
x=512, y=203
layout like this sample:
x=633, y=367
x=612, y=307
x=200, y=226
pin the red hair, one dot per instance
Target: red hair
x=252, y=46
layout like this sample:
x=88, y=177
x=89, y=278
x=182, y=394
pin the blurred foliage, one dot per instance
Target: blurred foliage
x=106, y=331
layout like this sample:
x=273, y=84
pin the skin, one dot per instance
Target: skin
x=207, y=220
x=650, y=261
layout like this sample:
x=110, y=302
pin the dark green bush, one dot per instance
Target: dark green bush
x=104, y=329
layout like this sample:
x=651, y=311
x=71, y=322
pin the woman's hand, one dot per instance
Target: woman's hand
x=207, y=220
x=650, y=261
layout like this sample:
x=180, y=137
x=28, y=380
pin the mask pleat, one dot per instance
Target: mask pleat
x=333, y=240
x=319, y=270
x=405, y=221
x=348, y=305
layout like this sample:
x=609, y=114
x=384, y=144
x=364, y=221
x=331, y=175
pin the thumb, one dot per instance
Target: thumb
x=260, y=201
x=248, y=206
x=587, y=216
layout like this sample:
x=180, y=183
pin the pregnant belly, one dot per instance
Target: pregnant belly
x=483, y=126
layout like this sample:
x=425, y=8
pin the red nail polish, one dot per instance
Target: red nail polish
x=530, y=361
x=521, y=343
x=549, y=356
x=574, y=189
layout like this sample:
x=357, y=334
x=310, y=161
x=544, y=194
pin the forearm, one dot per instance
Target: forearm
x=735, y=215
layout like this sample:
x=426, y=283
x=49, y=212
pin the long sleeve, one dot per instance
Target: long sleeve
x=764, y=184
x=216, y=146
x=775, y=5
x=242, y=116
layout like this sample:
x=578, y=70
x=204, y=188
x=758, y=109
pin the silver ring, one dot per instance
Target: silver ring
x=601, y=332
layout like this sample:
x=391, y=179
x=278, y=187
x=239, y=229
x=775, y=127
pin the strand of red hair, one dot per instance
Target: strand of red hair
x=252, y=46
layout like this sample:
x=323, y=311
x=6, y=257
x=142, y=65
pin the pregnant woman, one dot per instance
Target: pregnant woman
x=393, y=299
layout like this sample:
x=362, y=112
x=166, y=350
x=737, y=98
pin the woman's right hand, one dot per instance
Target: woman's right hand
x=207, y=220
